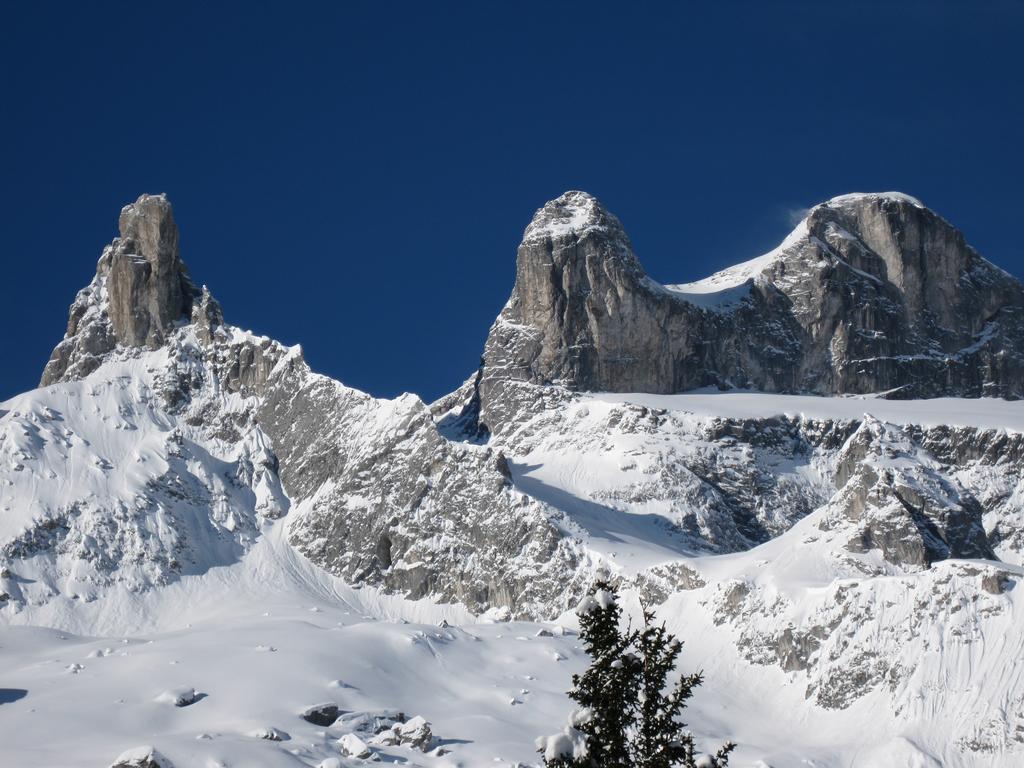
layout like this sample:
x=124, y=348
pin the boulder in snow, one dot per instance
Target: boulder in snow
x=269, y=734
x=352, y=746
x=371, y=722
x=415, y=733
x=388, y=738
x=412, y=733
x=141, y=757
x=179, y=697
x=321, y=714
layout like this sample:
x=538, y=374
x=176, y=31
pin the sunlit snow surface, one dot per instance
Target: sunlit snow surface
x=262, y=641
x=726, y=288
x=722, y=287
x=986, y=413
x=262, y=637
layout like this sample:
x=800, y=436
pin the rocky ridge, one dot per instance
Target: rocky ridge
x=870, y=293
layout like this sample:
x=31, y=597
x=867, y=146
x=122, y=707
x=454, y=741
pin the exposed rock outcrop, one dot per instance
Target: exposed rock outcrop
x=870, y=293
x=583, y=314
x=147, y=283
x=901, y=504
x=140, y=291
x=388, y=501
x=323, y=715
x=141, y=757
x=140, y=294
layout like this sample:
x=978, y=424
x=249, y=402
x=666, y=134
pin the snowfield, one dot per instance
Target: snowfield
x=983, y=412
x=261, y=642
x=215, y=666
x=264, y=640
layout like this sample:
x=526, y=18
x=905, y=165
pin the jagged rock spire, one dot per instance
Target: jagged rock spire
x=148, y=286
x=141, y=289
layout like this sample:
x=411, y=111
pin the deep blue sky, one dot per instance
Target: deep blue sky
x=356, y=176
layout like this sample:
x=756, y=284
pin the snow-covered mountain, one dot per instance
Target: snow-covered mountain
x=840, y=557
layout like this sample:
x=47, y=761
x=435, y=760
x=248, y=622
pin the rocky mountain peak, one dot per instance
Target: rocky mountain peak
x=148, y=228
x=572, y=244
x=147, y=283
x=899, y=240
x=572, y=214
x=575, y=275
x=871, y=293
x=141, y=290
x=142, y=297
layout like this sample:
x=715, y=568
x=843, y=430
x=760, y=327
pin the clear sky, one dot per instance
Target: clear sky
x=356, y=177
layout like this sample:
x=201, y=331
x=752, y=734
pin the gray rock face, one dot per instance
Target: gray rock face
x=141, y=290
x=584, y=315
x=892, y=299
x=140, y=295
x=389, y=502
x=871, y=293
x=903, y=506
x=148, y=285
x=142, y=757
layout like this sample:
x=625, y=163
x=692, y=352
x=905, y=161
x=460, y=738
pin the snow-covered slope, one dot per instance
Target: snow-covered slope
x=189, y=514
x=738, y=274
x=104, y=484
x=266, y=639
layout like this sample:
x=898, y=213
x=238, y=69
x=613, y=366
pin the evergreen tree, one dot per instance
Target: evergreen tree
x=661, y=739
x=604, y=690
x=629, y=715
